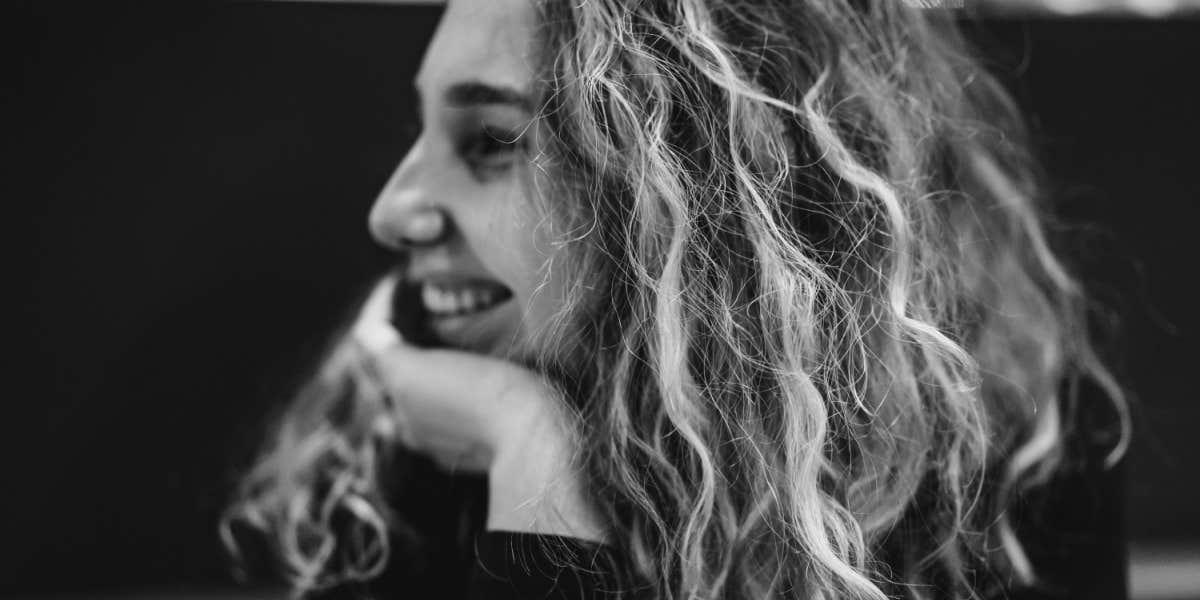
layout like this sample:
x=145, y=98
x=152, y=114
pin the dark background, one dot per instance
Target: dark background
x=191, y=189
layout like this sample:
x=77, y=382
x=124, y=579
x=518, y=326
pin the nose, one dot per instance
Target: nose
x=406, y=214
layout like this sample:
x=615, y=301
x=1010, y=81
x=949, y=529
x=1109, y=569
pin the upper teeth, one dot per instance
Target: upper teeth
x=445, y=301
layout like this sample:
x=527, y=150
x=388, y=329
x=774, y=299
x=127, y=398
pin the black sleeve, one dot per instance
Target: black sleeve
x=512, y=565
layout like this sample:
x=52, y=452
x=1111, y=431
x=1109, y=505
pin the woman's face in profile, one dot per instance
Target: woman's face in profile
x=459, y=201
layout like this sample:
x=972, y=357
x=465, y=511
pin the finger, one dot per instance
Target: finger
x=436, y=371
x=373, y=334
x=452, y=374
x=372, y=328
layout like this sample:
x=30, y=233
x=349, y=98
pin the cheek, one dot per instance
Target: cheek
x=529, y=268
x=541, y=261
x=505, y=243
x=544, y=304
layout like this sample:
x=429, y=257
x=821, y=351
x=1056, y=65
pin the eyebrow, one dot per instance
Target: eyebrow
x=474, y=93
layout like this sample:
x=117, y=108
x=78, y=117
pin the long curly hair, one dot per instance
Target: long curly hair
x=815, y=337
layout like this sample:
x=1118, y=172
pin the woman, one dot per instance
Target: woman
x=724, y=299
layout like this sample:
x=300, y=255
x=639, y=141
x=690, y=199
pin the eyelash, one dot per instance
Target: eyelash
x=490, y=150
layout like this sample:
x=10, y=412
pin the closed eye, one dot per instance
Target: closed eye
x=490, y=151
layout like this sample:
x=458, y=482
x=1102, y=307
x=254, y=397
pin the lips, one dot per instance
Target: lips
x=461, y=296
x=439, y=310
x=409, y=316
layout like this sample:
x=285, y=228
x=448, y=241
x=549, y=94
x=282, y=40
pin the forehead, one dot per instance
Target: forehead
x=480, y=40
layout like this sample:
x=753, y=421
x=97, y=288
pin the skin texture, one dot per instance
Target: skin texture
x=462, y=190
x=460, y=198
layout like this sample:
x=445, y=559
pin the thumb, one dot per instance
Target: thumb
x=372, y=328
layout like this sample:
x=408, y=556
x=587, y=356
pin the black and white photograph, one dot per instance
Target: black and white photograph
x=603, y=299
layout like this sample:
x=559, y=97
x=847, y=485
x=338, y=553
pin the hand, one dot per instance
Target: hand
x=478, y=413
x=459, y=408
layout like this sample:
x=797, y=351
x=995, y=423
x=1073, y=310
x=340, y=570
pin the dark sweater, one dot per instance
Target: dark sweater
x=1071, y=528
x=1071, y=531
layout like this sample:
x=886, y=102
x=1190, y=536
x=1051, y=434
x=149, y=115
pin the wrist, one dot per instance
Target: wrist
x=534, y=487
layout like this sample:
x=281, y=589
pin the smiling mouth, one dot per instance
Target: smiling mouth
x=436, y=313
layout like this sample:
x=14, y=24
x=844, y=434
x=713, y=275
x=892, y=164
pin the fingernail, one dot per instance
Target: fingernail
x=376, y=336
